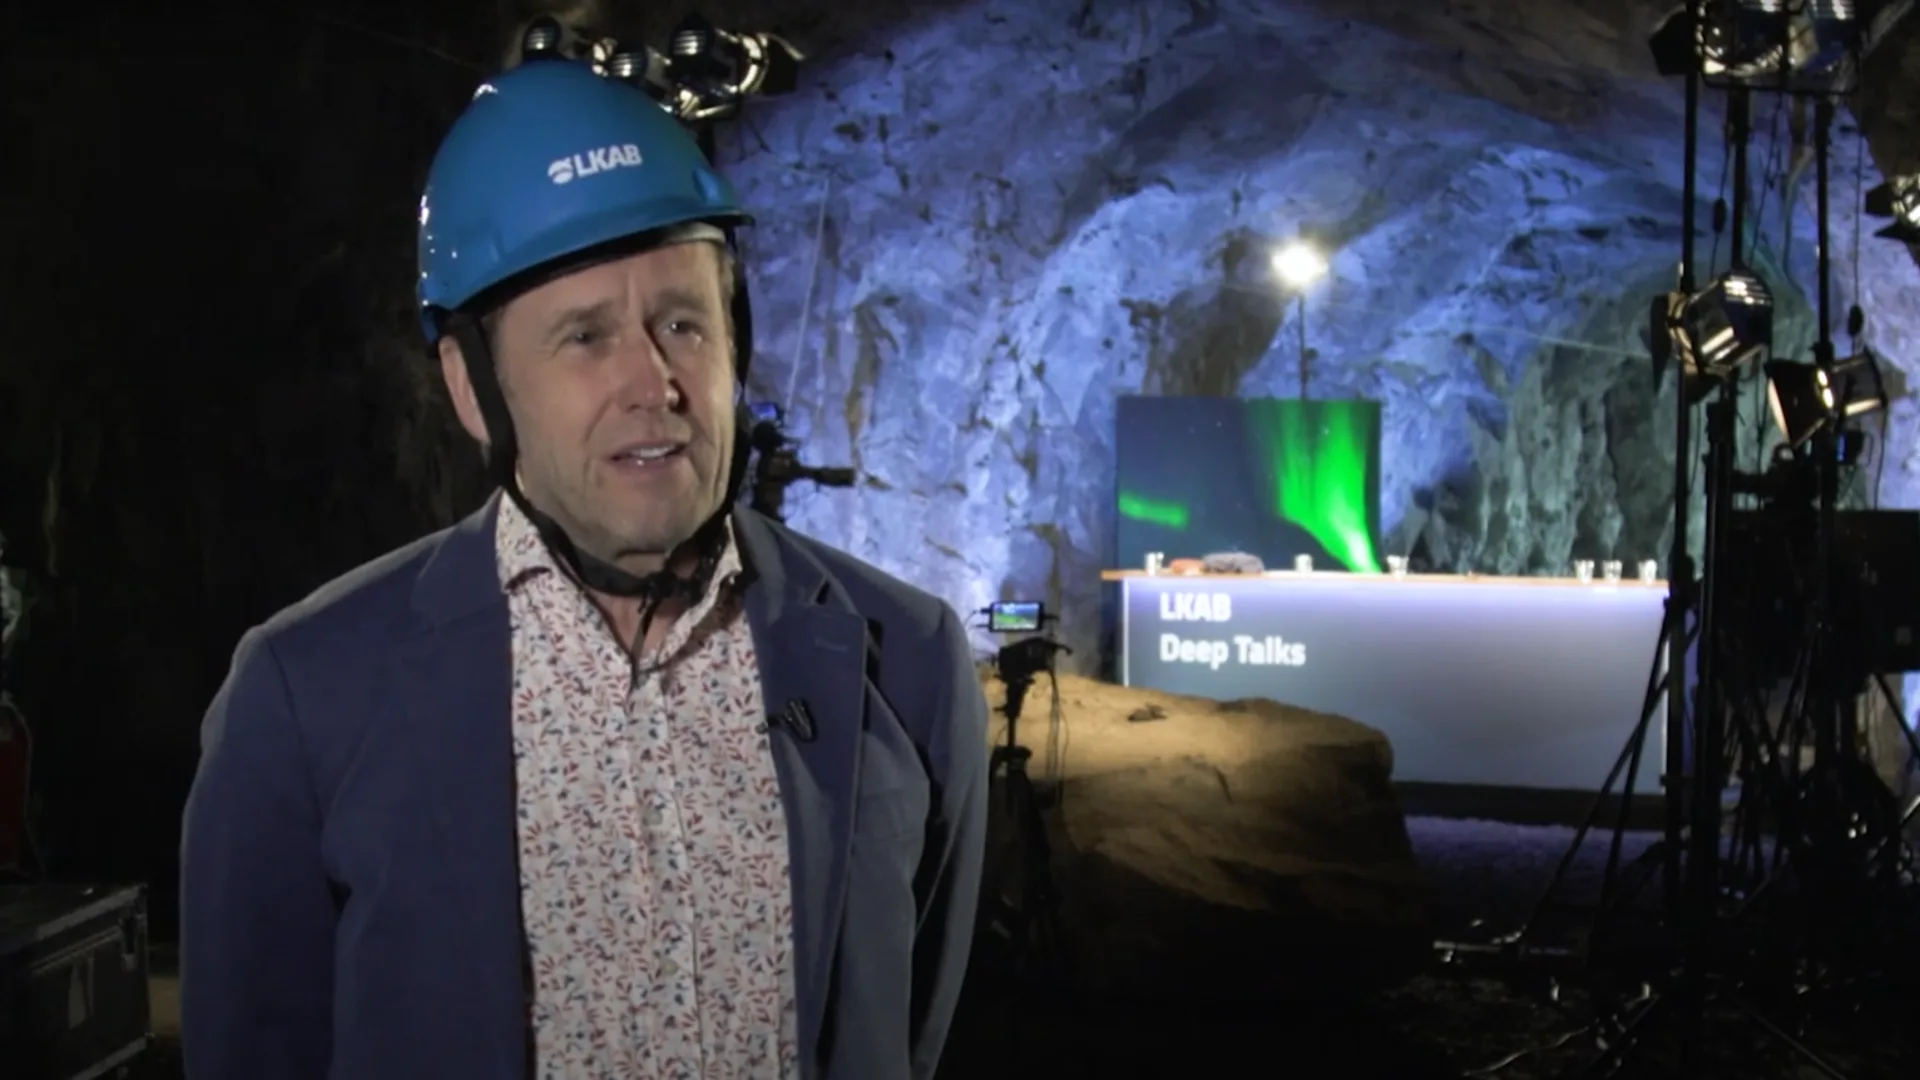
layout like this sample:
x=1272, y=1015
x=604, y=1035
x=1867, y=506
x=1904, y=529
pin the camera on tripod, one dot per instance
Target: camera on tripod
x=777, y=464
x=1023, y=906
x=1018, y=663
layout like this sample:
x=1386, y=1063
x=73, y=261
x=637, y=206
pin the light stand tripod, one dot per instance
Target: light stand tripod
x=1667, y=676
x=1702, y=962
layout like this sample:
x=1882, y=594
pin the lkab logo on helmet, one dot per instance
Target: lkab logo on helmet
x=567, y=169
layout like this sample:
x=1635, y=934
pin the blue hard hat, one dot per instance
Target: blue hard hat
x=549, y=160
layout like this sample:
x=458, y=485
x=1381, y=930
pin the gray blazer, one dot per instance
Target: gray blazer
x=350, y=893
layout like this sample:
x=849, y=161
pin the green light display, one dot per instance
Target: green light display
x=1173, y=515
x=1320, y=457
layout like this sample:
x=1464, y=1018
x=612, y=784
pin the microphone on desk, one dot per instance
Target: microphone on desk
x=797, y=718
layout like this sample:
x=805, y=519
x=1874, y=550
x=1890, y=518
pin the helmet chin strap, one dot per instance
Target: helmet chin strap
x=503, y=453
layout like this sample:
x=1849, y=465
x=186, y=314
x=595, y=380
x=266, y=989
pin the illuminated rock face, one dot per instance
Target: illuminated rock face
x=975, y=236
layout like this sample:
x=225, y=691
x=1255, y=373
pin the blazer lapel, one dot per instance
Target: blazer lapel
x=812, y=652
x=456, y=685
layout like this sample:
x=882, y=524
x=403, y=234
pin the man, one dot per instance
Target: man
x=612, y=779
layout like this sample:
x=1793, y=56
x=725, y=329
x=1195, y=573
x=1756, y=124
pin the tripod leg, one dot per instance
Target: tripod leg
x=1805, y=1053
x=1627, y=762
x=1613, y=1048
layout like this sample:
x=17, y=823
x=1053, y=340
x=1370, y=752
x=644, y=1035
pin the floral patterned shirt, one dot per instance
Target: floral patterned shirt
x=652, y=840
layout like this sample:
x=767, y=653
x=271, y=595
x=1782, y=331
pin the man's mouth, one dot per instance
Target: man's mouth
x=648, y=454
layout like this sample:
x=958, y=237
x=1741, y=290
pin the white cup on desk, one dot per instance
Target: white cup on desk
x=1156, y=561
x=1397, y=565
x=1610, y=570
x=1303, y=564
x=1583, y=570
x=1649, y=571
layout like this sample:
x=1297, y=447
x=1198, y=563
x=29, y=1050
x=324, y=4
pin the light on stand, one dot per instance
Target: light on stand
x=1805, y=398
x=1808, y=47
x=1299, y=264
x=633, y=65
x=542, y=39
x=1856, y=385
x=1724, y=327
x=1898, y=199
x=717, y=69
x=1796, y=400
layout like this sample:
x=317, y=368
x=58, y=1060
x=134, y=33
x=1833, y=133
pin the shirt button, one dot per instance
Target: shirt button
x=653, y=817
x=669, y=968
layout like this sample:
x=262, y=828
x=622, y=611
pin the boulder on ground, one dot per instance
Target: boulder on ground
x=1199, y=846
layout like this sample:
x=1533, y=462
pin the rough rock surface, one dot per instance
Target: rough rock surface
x=1238, y=846
x=978, y=232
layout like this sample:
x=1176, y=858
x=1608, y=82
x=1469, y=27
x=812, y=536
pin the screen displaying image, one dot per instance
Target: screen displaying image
x=1015, y=616
x=1272, y=477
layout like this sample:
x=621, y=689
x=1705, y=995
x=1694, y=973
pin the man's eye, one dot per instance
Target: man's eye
x=683, y=328
x=585, y=337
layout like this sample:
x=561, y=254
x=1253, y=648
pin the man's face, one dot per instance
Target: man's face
x=620, y=382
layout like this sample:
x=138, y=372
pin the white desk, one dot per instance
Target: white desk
x=1502, y=682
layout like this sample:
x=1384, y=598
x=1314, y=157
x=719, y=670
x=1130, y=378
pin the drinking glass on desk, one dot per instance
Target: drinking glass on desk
x=1397, y=565
x=1303, y=564
x=1611, y=571
x=1649, y=571
x=1583, y=569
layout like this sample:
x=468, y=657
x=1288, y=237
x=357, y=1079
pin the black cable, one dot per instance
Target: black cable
x=1859, y=203
x=1768, y=177
x=1719, y=209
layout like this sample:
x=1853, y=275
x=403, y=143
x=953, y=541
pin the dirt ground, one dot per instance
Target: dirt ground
x=1444, y=1024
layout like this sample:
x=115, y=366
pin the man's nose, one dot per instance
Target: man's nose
x=646, y=379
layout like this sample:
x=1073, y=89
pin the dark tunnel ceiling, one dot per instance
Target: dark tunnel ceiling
x=1887, y=106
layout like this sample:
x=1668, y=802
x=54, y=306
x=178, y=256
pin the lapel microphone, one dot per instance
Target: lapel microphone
x=797, y=718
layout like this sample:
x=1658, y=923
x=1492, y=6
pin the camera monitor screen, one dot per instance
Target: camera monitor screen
x=1271, y=477
x=1015, y=617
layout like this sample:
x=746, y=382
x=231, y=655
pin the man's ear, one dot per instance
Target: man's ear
x=453, y=368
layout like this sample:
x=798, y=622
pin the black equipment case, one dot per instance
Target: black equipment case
x=73, y=980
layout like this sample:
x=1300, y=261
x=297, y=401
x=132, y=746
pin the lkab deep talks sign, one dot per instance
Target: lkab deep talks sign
x=1510, y=681
x=1200, y=645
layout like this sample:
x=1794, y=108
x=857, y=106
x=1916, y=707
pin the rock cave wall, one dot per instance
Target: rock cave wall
x=974, y=237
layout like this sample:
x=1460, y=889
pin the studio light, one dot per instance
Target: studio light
x=717, y=69
x=1724, y=327
x=1804, y=398
x=542, y=39
x=1898, y=199
x=1676, y=44
x=1796, y=46
x=1795, y=397
x=1855, y=386
x=1299, y=264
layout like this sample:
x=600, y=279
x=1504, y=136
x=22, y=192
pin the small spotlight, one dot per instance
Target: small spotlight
x=1726, y=326
x=1805, y=398
x=716, y=70
x=1898, y=199
x=1855, y=386
x=635, y=65
x=1676, y=44
x=1792, y=47
x=1299, y=264
x=1797, y=400
x=542, y=39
